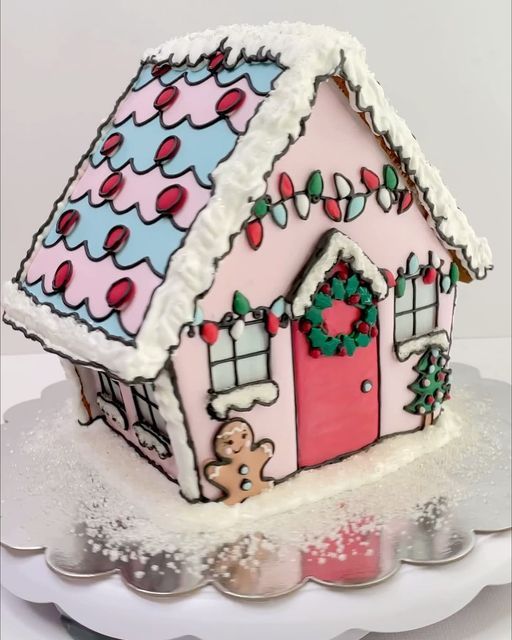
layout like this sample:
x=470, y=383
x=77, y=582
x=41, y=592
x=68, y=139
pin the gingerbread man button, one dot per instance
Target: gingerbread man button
x=238, y=472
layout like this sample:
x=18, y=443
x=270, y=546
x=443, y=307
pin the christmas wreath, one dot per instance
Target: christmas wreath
x=343, y=286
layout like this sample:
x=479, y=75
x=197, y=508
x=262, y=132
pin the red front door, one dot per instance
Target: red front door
x=337, y=397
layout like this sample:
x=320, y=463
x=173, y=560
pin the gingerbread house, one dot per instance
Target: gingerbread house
x=253, y=269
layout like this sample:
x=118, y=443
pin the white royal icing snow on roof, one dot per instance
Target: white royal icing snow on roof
x=310, y=53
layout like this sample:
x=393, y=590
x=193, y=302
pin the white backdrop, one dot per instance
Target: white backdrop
x=445, y=65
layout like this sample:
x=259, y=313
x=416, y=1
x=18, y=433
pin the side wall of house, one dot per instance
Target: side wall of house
x=336, y=140
x=120, y=414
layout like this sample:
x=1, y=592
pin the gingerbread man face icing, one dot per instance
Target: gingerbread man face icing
x=239, y=470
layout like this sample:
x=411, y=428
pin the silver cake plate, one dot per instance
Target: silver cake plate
x=427, y=512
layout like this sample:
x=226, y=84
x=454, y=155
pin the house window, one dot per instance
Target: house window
x=416, y=310
x=110, y=388
x=237, y=362
x=147, y=408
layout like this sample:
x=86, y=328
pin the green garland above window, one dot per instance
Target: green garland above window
x=343, y=286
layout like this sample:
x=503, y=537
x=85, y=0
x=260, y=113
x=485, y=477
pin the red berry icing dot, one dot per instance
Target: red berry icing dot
x=62, y=275
x=67, y=222
x=343, y=271
x=305, y=326
x=111, y=186
x=168, y=149
x=363, y=327
x=373, y=332
x=171, y=200
x=230, y=101
x=111, y=144
x=342, y=352
x=121, y=293
x=354, y=299
x=315, y=353
x=430, y=399
x=166, y=98
x=325, y=288
x=116, y=238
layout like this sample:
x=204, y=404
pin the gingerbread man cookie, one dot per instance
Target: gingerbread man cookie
x=239, y=470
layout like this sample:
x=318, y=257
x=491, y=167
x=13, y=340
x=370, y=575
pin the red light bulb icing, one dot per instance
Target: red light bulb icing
x=160, y=69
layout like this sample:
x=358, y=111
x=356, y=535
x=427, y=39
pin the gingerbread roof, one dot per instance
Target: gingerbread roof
x=170, y=179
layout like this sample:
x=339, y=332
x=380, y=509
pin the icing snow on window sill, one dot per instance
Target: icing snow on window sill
x=151, y=441
x=418, y=344
x=243, y=398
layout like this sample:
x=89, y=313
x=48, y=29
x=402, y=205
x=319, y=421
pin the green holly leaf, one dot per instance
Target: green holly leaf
x=315, y=184
x=366, y=296
x=371, y=315
x=241, y=304
x=338, y=289
x=349, y=344
x=400, y=286
x=317, y=338
x=260, y=207
x=314, y=315
x=390, y=177
x=322, y=300
x=330, y=346
x=352, y=285
x=363, y=340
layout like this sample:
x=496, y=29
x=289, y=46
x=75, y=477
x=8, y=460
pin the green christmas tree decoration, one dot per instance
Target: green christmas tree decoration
x=315, y=185
x=260, y=207
x=241, y=305
x=390, y=177
x=431, y=387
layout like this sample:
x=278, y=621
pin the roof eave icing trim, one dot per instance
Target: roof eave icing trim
x=310, y=53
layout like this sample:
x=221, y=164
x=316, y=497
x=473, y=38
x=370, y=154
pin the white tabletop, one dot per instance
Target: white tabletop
x=487, y=616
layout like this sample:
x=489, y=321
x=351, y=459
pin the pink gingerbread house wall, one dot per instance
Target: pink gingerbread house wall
x=335, y=140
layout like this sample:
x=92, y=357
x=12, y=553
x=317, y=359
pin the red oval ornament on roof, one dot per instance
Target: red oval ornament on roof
x=62, y=275
x=121, y=293
x=116, y=238
x=159, y=69
x=230, y=101
x=168, y=149
x=111, y=144
x=171, y=200
x=215, y=61
x=111, y=186
x=67, y=222
x=166, y=97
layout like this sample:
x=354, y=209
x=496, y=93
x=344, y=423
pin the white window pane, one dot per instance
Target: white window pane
x=223, y=347
x=405, y=303
x=425, y=293
x=403, y=327
x=425, y=320
x=223, y=376
x=254, y=338
x=252, y=369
